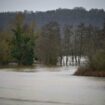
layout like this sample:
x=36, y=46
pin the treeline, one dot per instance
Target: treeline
x=24, y=44
x=75, y=16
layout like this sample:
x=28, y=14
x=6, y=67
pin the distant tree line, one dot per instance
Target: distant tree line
x=75, y=16
x=24, y=43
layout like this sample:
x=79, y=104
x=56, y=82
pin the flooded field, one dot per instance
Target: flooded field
x=50, y=86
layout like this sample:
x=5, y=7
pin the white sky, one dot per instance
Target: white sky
x=43, y=5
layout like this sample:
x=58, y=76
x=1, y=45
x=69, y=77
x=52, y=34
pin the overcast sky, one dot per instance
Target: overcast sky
x=43, y=5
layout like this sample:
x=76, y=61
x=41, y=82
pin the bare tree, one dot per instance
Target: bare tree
x=49, y=44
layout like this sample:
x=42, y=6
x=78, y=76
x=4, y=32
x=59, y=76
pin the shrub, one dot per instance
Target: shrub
x=97, y=61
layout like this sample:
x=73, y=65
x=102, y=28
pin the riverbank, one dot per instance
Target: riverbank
x=89, y=72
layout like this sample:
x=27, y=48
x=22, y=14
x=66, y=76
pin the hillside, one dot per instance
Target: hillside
x=74, y=17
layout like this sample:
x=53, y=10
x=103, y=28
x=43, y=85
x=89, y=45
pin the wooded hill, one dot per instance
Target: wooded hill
x=73, y=17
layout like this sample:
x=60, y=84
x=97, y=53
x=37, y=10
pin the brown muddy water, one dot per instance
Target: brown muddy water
x=49, y=86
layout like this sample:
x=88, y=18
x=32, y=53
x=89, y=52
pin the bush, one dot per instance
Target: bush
x=97, y=61
x=95, y=65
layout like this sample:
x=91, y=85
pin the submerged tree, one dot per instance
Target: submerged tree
x=23, y=41
x=49, y=44
x=68, y=51
x=80, y=32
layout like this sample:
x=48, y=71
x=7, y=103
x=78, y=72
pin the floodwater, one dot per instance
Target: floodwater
x=50, y=86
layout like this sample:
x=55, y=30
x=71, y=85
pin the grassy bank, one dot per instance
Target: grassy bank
x=89, y=72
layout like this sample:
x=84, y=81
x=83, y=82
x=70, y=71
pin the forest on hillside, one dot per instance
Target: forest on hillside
x=74, y=17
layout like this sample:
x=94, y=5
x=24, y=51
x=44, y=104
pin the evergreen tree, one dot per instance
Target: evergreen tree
x=23, y=42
